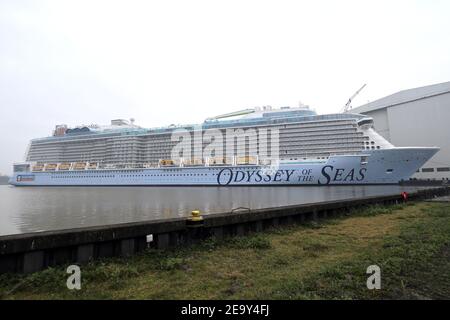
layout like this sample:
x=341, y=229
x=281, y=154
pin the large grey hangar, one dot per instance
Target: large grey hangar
x=416, y=117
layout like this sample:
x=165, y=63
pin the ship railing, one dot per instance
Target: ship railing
x=219, y=161
x=193, y=162
x=65, y=166
x=92, y=166
x=80, y=166
x=246, y=160
x=50, y=167
x=188, y=162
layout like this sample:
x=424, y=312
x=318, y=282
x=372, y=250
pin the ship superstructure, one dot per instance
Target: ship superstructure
x=302, y=133
x=303, y=140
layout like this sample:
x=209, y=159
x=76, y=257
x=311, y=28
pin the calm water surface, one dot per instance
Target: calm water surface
x=30, y=209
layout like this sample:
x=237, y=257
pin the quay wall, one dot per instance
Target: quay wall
x=31, y=252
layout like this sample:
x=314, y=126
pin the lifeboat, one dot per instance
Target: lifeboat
x=197, y=162
x=64, y=166
x=38, y=167
x=228, y=160
x=92, y=166
x=51, y=167
x=166, y=163
x=79, y=166
x=193, y=162
x=220, y=161
x=246, y=160
x=265, y=162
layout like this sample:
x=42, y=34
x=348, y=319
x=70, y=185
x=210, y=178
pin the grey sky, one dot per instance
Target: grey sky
x=82, y=62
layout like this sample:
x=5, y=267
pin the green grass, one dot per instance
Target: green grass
x=318, y=260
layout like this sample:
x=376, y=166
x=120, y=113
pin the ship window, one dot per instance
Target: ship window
x=21, y=167
x=428, y=170
x=445, y=169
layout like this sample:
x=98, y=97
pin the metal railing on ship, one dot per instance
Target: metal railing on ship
x=163, y=163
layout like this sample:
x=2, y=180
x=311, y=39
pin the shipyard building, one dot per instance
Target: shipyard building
x=416, y=117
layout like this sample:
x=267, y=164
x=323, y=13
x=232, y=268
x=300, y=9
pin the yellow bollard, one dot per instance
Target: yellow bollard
x=196, y=216
x=195, y=220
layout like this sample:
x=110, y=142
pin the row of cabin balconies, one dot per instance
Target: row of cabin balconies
x=144, y=144
x=237, y=149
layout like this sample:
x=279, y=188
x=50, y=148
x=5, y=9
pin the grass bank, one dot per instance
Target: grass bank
x=326, y=260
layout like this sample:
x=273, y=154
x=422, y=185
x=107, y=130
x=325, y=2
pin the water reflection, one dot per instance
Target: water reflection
x=32, y=209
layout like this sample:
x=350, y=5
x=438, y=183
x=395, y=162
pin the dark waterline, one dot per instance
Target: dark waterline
x=31, y=209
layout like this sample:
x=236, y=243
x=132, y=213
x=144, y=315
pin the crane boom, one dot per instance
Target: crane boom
x=348, y=106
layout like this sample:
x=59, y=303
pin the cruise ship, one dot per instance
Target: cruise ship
x=260, y=146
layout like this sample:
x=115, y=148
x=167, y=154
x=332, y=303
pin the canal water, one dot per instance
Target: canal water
x=31, y=209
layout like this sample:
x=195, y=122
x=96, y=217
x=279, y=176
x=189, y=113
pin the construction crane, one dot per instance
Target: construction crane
x=348, y=106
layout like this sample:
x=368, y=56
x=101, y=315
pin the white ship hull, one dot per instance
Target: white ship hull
x=386, y=166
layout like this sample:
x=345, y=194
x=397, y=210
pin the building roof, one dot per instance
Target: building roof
x=404, y=97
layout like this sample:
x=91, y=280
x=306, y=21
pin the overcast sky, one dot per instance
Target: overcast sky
x=164, y=62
